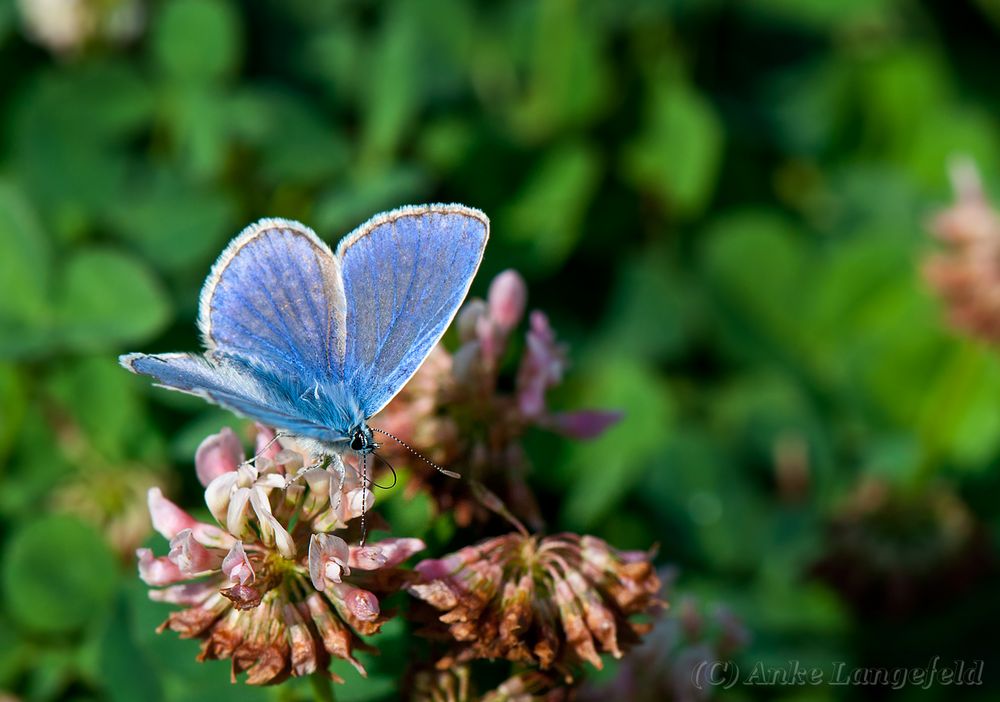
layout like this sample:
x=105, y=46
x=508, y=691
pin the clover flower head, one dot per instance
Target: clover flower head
x=552, y=602
x=66, y=26
x=966, y=272
x=268, y=586
x=890, y=552
x=469, y=410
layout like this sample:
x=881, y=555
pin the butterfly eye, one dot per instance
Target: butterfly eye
x=357, y=441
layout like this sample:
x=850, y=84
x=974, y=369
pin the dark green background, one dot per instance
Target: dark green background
x=721, y=203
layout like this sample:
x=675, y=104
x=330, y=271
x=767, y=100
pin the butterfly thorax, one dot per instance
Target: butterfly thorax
x=331, y=405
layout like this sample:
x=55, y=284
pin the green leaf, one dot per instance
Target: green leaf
x=69, y=136
x=15, y=655
x=24, y=274
x=13, y=400
x=108, y=298
x=197, y=41
x=125, y=669
x=37, y=464
x=676, y=156
x=295, y=143
x=568, y=77
x=201, y=124
x=409, y=514
x=352, y=203
x=101, y=397
x=58, y=574
x=391, y=88
x=545, y=221
x=174, y=223
x=755, y=260
x=601, y=471
x=443, y=145
x=821, y=15
x=650, y=288
x=896, y=85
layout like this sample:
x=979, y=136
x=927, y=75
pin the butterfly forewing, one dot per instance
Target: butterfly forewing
x=276, y=295
x=405, y=274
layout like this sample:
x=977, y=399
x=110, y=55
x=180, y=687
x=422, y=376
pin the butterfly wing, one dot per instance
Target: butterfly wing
x=405, y=274
x=231, y=384
x=276, y=294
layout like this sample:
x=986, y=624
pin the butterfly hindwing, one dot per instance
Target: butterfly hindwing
x=276, y=294
x=405, y=274
x=230, y=385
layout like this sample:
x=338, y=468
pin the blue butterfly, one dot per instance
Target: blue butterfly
x=315, y=343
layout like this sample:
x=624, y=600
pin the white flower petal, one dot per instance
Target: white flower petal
x=236, y=515
x=218, y=494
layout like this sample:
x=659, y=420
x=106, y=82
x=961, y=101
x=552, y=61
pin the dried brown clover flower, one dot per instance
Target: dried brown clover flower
x=551, y=602
x=890, y=551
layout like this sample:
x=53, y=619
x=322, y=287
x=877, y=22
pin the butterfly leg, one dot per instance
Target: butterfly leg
x=302, y=471
x=265, y=447
x=341, y=470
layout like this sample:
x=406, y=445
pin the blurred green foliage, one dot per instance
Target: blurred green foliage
x=720, y=202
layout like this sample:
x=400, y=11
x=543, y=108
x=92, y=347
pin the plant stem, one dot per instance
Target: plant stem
x=322, y=686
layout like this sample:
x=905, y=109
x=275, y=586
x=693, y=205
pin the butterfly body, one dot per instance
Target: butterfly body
x=316, y=343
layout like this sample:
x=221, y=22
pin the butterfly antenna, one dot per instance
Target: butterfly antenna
x=393, y=470
x=432, y=464
x=364, y=497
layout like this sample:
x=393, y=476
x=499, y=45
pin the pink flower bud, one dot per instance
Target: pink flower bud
x=507, y=297
x=189, y=594
x=329, y=556
x=361, y=603
x=219, y=453
x=386, y=553
x=189, y=555
x=236, y=566
x=157, y=571
x=434, y=569
x=468, y=318
x=168, y=518
x=490, y=341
